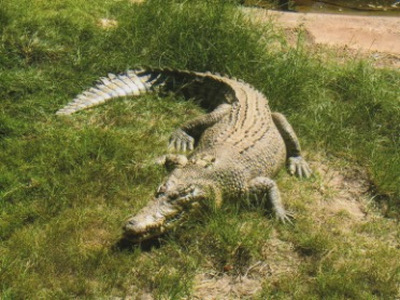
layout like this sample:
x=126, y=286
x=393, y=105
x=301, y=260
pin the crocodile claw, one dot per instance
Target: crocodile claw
x=181, y=141
x=285, y=217
x=299, y=167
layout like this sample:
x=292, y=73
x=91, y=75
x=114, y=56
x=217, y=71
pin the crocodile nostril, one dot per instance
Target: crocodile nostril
x=129, y=224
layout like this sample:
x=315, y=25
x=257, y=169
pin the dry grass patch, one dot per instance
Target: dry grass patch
x=107, y=23
x=339, y=233
x=224, y=286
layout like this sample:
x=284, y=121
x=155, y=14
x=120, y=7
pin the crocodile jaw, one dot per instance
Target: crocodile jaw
x=163, y=213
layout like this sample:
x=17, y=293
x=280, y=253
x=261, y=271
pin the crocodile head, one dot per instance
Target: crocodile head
x=167, y=210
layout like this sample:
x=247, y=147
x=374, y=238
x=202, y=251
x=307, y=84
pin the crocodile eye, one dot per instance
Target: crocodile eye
x=190, y=189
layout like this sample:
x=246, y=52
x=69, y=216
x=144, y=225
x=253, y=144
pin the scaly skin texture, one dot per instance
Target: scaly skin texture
x=235, y=149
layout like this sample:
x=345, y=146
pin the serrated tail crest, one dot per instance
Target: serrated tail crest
x=132, y=83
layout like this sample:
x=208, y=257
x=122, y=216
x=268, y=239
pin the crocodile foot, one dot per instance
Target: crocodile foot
x=299, y=167
x=172, y=161
x=181, y=141
x=265, y=186
x=285, y=217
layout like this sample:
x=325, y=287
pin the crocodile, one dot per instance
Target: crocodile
x=235, y=148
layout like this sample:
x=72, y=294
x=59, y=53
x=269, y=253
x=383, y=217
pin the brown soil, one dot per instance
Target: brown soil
x=373, y=37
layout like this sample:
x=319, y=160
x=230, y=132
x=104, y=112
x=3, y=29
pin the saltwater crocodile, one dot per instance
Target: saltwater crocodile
x=235, y=149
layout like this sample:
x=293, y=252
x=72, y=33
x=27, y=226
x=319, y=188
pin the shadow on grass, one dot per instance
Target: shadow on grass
x=125, y=244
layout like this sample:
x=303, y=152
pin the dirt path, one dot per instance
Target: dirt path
x=366, y=34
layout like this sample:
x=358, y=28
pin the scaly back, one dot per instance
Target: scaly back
x=210, y=90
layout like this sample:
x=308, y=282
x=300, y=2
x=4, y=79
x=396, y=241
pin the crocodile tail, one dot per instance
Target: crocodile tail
x=132, y=83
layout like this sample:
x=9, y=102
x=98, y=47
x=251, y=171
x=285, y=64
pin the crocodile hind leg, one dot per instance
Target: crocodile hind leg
x=296, y=164
x=183, y=139
x=264, y=186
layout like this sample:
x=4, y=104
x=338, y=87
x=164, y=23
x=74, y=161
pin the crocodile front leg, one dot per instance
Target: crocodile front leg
x=172, y=161
x=296, y=164
x=264, y=186
x=183, y=139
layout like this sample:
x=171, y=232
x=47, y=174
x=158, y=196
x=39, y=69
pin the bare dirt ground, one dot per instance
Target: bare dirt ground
x=374, y=37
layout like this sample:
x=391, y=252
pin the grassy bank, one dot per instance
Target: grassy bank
x=67, y=184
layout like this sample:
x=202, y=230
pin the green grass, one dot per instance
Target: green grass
x=67, y=184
